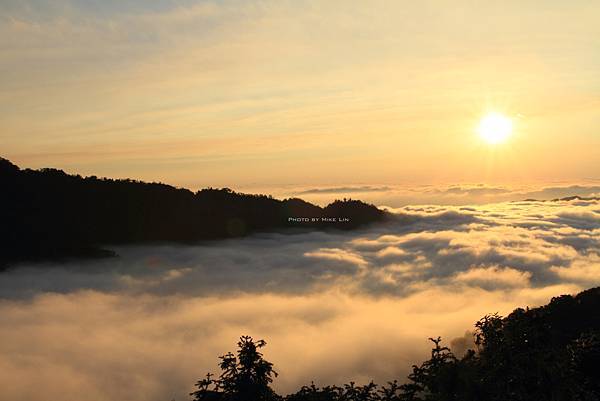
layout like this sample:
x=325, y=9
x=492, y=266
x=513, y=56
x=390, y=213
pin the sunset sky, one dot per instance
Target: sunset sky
x=267, y=93
x=474, y=124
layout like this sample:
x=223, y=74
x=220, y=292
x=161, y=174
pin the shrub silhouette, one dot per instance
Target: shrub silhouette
x=550, y=353
x=347, y=392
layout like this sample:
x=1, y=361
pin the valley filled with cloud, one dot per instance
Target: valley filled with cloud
x=333, y=306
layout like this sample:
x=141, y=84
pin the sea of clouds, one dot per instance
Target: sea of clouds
x=457, y=194
x=332, y=306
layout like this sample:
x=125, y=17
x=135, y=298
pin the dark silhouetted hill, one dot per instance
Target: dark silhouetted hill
x=49, y=214
x=550, y=353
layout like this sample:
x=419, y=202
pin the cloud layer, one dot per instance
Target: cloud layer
x=456, y=194
x=333, y=306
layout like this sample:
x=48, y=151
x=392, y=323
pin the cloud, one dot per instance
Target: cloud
x=555, y=192
x=120, y=88
x=396, y=196
x=460, y=345
x=586, y=273
x=337, y=254
x=334, y=306
x=494, y=277
x=585, y=220
x=502, y=193
x=477, y=190
x=344, y=190
x=436, y=242
x=95, y=346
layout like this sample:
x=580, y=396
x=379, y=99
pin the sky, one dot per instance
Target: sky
x=375, y=100
x=333, y=306
x=265, y=94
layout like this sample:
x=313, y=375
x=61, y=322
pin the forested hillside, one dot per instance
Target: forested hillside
x=50, y=214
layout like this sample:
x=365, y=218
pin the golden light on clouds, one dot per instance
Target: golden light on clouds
x=158, y=316
x=495, y=128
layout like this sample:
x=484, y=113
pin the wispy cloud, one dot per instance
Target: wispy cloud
x=457, y=194
x=260, y=90
x=344, y=190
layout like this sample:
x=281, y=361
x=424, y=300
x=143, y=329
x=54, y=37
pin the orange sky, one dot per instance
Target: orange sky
x=245, y=94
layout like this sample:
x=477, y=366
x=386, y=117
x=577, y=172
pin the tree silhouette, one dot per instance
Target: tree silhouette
x=584, y=355
x=433, y=378
x=245, y=376
x=550, y=353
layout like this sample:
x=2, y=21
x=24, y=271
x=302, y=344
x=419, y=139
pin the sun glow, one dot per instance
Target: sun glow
x=494, y=128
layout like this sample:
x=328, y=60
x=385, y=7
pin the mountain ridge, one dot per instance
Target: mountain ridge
x=49, y=214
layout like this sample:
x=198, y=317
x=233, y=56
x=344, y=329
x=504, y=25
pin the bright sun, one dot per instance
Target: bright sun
x=494, y=128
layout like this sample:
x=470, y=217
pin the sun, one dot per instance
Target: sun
x=495, y=128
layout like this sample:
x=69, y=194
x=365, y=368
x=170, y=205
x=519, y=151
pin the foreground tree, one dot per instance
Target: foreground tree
x=245, y=377
x=550, y=353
